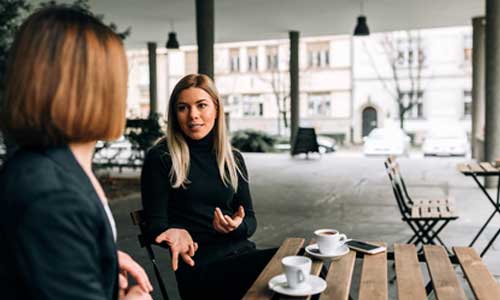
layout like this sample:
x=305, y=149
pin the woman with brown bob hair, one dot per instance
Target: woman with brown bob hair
x=197, y=200
x=66, y=88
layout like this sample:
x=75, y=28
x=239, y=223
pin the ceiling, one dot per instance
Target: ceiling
x=246, y=20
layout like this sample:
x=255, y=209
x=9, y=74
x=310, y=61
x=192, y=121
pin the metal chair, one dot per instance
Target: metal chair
x=427, y=218
x=138, y=220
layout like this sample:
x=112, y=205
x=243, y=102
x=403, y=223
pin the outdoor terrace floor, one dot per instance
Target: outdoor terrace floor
x=345, y=191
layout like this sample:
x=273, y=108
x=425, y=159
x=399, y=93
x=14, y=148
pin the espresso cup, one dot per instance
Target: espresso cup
x=297, y=270
x=329, y=240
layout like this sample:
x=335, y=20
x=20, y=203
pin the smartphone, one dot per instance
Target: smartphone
x=365, y=247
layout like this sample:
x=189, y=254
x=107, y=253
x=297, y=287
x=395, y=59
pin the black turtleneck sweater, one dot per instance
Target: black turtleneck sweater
x=192, y=208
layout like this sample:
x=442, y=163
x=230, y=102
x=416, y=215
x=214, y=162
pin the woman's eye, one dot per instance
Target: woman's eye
x=181, y=108
x=202, y=105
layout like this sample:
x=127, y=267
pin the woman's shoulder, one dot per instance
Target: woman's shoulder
x=32, y=180
x=159, y=152
x=238, y=157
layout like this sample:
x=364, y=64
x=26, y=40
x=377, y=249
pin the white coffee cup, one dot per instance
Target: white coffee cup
x=297, y=270
x=329, y=240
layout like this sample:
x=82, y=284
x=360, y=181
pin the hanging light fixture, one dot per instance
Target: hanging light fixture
x=361, y=28
x=172, y=42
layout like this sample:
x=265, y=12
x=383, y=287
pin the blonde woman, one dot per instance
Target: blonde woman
x=66, y=89
x=197, y=200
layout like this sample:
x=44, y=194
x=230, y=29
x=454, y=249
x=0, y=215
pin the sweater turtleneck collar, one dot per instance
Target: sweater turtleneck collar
x=204, y=144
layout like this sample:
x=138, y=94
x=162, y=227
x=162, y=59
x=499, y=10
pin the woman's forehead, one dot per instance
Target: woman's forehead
x=193, y=95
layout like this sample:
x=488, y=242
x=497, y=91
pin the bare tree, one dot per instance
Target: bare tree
x=406, y=59
x=281, y=94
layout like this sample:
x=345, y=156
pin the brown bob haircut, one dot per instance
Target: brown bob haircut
x=66, y=80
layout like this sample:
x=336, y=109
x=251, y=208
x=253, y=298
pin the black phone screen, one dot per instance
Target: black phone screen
x=362, y=245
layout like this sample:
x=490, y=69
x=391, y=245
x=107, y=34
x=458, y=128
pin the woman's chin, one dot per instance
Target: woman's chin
x=197, y=135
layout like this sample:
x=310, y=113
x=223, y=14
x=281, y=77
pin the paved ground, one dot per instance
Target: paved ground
x=294, y=196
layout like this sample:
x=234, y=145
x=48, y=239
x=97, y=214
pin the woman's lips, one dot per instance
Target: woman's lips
x=195, y=127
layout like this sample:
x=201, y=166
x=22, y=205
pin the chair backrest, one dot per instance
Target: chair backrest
x=392, y=160
x=396, y=188
x=139, y=220
x=305, y=141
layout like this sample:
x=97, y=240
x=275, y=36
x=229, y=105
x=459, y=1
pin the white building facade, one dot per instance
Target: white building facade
x=444, y=87
x=345, y=82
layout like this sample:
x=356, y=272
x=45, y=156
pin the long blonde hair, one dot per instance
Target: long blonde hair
x=178, y=148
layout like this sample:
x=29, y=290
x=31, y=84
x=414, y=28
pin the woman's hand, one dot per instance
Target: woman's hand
x=129, y=266
x=180, y=243
x=135, y=292
x=224, y=223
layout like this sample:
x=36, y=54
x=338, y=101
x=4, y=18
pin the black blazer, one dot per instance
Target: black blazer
x=55, y=239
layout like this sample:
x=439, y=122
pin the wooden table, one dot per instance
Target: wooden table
x=484, y=169
x=374, y=279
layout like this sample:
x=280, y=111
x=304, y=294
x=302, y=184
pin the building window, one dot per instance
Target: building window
x=468, y=48
x=234, y=60
x=410, y=53
x=319, y=104
x=143, y=82
x=467, y=104
x=417, y=110
x=318, y=55
x=253, y=106
x=272, y=58
x=253, y=60
x=191, y=62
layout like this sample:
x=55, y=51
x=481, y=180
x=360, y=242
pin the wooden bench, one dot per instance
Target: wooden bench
x=374, y=279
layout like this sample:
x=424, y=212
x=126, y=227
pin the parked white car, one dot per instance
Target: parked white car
x=326, y=144
x=444, y=142
x=386, y=141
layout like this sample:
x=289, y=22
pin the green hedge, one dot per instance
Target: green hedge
x=250, y=140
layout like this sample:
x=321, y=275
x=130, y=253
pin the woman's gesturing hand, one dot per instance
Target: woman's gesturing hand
x=180, y=243
x=224, y=223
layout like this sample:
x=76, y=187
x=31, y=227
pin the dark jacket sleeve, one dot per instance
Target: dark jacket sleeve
x=155, y=190
x=242, y=197
x=57, y=250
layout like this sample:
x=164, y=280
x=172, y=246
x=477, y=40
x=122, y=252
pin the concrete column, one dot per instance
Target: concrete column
x=492, y=62
x=294, y=84
x=492, y=35
x=478, y=85
x=227, y=116
x=153, y=96
x=205, y=36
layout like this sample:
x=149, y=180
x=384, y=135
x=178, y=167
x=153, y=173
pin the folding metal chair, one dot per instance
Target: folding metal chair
x=427, y=218
x=138, y=220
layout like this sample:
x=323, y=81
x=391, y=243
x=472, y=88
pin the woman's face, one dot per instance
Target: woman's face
x=196, y=113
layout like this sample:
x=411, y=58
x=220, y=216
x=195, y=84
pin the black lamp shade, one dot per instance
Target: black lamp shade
x=361, y=27
x=172, y=42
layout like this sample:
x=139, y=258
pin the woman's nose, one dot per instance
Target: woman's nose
x=193, y=113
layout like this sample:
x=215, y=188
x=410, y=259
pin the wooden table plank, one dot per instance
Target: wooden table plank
x=339, y=278
x=463, y=168
x=259, y=289
x=444, y=279
x=410, y=282
x=476, y=168
x=373, y=283
x=480, y=279
x=315, y=270
x=488, y=167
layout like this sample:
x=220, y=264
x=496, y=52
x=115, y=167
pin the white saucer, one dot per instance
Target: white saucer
x=313, y=250
x=315, y=285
